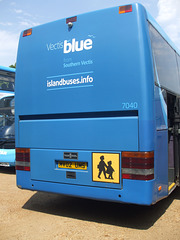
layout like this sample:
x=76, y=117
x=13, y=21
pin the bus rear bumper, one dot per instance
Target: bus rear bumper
x=133, y=192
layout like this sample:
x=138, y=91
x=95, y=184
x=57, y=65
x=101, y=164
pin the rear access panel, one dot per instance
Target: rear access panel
x=80, y=168
x=94, y=134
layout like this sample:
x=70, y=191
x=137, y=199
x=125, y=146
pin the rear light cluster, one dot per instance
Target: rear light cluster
x=125, y=9
x=138, y=165
x=23, y=159
x=27, y=32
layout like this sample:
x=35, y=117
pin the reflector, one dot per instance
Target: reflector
x=137, y=177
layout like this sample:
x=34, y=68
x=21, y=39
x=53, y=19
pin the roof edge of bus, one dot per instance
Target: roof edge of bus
x=162, y=32
x=2, y=68
x=79, y=14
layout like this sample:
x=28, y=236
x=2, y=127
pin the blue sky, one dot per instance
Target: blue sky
x=17, y=15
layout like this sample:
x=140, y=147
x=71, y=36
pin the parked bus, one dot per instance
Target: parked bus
x=97, y=107
x=7, y=126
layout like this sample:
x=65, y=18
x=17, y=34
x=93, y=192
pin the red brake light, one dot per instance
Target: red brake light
x=23, y=159
x=27, y=32
x=138, y=165
x=125, y=9
x=72, y=19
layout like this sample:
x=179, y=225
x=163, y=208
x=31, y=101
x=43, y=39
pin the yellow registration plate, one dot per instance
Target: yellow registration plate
x=72, y=165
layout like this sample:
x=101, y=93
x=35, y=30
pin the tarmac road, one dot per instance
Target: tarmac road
x=26, y=215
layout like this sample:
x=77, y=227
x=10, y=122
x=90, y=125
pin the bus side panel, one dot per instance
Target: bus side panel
x=161, y=164
x=161, y=145
x=146, y=113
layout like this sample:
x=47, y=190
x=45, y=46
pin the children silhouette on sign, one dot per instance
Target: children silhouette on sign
x=101, y=167
x=109, y=169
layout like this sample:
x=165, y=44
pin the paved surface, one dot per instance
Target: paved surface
x=36, y=215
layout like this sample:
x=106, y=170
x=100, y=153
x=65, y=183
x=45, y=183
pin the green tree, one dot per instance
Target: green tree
x=13, y=66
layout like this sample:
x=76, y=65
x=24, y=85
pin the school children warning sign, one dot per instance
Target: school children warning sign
x=105, y=167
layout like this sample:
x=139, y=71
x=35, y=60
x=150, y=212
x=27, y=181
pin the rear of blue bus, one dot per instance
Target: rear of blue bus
x=85, y=109
x=7, y=127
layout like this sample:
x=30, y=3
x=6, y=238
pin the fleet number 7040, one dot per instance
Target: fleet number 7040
x=130, y=105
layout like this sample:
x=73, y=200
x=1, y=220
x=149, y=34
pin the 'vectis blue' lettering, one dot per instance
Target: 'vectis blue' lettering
x=77, y=46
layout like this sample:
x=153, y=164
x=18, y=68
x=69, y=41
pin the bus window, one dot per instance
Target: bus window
x=7, y=126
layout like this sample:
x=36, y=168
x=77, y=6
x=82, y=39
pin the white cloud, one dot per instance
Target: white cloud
x=28, y=23
x=28, y=15
x=24, y=23
x=26, y=19
x=9, y=40
x=6, y=23
x=169, y=18
x=8, y=47
x=18, y=11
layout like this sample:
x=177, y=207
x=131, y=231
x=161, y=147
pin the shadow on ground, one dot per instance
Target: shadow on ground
x=7, y=170
x=131, y=216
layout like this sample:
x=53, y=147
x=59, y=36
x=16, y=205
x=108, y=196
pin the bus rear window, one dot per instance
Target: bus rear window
x=6, y=83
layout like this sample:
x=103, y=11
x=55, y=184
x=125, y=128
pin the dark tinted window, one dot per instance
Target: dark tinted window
x=6, y=119
x=165, y=60
x=7, y=81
